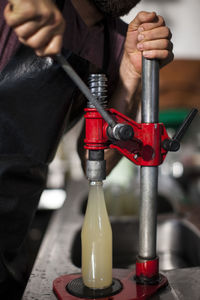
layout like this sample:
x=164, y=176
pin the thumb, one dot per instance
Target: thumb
x=142, y=17
x=13, y=2
x=14, y=13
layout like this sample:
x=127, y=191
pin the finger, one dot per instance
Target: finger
x=142, y=17
x=161, y=44
x=53, y=48
x=14, y=2
x=155, y=34
x=157, y=22
x=20, y=14
x=167, y=60
x=26, y=30
x=16, y=16
x=157, y=54
x=41, y=38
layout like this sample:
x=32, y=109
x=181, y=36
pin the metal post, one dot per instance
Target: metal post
x=149, y=175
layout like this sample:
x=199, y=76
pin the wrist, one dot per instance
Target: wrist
x=127, y=73
x=128, y=88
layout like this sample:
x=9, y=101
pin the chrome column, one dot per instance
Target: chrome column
x=149, y=175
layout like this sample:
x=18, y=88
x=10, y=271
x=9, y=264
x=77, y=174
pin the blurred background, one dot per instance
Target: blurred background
x=179, y=180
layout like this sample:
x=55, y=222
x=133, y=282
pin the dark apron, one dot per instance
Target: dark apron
x=38, y=102
x=35, y=99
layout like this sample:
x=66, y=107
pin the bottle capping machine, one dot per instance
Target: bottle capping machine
x=146, y=145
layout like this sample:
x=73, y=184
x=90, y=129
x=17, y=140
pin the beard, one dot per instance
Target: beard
x=115, y=8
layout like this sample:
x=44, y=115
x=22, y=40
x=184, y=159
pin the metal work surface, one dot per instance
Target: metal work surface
x=178, y=247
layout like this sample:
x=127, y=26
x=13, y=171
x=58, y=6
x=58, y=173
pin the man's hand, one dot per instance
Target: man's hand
x=37, y=23
x=146, y=34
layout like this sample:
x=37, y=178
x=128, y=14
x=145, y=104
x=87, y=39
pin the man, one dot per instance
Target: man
x=35, y=98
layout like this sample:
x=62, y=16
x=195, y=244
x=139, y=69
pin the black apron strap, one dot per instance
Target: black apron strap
x=106, y=54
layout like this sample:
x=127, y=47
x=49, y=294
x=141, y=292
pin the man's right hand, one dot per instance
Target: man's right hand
x=37, y=23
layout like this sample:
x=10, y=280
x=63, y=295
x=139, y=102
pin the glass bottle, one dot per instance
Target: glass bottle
x=96, y=237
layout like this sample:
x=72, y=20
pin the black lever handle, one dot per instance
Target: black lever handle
x=174, y=143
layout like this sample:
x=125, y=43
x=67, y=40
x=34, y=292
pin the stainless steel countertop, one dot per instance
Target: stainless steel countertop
x=54, y=257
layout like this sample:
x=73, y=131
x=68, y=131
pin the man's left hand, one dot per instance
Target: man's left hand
x=148, y=36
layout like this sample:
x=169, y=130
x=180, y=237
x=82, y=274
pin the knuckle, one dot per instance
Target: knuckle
x=35, y=44
x=21, y=32
x=146, y=45
x=59, y=22
x=54, y=51
x=56, y=48
x=167, y=44
x=46, y=15
x=8, y=18
x=29, y=10
x=150, y=54
x=9, y=21
x=39, y=53
x=141, y=15
x=166, y=53
x=161, y=20
x=154, y=53
x=166, y=31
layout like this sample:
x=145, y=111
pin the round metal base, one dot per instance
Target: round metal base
x=77, y=288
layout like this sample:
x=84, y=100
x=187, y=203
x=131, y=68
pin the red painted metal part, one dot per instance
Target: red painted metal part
x=94, y=133
x=131, y=290
x=147, y=268
x=145, y=149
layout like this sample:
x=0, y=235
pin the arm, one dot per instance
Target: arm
x=37, y=23
x=146, y=34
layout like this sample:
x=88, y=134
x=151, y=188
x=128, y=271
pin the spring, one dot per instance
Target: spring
x=98, y=88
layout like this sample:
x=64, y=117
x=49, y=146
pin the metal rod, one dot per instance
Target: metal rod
x=148, y=212
x=149, y=175
x=83, y=88
x=150, y=91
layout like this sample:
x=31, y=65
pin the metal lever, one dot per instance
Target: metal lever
x=174, y=143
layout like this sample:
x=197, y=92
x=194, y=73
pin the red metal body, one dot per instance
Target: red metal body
x=131, y=290
x=145, y=149
x=147, y=269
